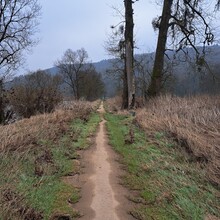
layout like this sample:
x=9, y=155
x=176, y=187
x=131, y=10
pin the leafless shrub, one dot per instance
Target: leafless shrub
x=37, y=93
x=194, y=122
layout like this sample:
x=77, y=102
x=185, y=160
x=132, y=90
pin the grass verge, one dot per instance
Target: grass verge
x=35, y=189
x=164, y=184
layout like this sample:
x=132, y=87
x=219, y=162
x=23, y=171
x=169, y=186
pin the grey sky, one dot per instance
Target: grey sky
x=86, y=23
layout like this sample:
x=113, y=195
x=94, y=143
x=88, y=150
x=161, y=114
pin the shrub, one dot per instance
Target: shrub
x=37, y=93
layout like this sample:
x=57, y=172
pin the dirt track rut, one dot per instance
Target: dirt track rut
x=103, y=197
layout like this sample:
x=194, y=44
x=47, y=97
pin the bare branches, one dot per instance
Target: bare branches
x=18, y=23
x=115, y=45
x=71, y=66
x=38, y=93
x=218, y=4
x=189, y=25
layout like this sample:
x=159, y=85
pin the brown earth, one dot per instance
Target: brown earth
x=102, y=195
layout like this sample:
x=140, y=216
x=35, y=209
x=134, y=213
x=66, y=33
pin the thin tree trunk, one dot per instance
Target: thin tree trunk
x=156, y=78
x=1, y=103
x=129, y=60
x=1, y=111
x=77, y=91
x=125, y=91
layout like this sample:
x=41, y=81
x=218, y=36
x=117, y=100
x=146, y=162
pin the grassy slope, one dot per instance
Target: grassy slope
x=165, y=184
x=37, y=184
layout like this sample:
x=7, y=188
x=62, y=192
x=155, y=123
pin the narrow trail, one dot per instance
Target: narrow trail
x=103, y=197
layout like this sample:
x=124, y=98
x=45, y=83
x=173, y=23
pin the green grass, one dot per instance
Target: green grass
x=45, y=194
x=48, y=193
x=166, y=185
x=85, y=130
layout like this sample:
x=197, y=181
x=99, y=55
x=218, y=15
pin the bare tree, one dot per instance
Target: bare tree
x=71, y=65
x=124, y=48
x=143, y=70
x=115, y=46
x=218, y=3
x=186, y=23
x=1, y=102
x=91, y=86
x=143, y=65
x=18, y=23
x=156, y=77
x=129, y=51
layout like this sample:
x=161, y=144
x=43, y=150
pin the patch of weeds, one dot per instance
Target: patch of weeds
x=159, y=135
x=74, y=198
x=85, y=130
x=166, y=185
x=67, y=195
x=40, y=193
x=48, y=194
x=148, y=195
x=63, y=165
x=169, y=145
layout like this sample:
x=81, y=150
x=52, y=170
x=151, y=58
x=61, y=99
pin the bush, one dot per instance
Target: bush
x=37, y=93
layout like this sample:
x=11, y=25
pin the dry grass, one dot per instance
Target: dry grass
x=25, y=133
x=194, y=122
x=163, y=183
x=114, y=104
x=22, y=139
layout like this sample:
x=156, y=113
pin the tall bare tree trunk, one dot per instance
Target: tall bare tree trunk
x=1, y=103
x=156, y=78
x=129, y=54
x=125, y=91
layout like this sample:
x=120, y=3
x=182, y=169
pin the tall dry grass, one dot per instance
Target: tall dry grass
x=19, y=140
x=114, y=104
x=25, y=133
x=193, y=121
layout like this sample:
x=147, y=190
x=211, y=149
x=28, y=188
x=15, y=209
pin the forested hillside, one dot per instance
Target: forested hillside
x=184, y=75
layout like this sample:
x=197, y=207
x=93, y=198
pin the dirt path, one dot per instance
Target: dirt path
x=103, y=197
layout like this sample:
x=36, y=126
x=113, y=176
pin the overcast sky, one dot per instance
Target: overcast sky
x=85, y=23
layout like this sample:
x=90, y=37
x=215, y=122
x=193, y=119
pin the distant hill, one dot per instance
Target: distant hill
x=186, y=74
